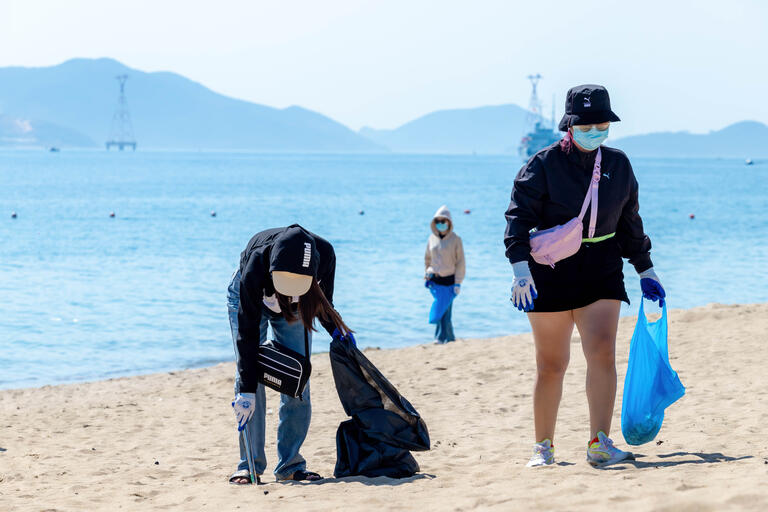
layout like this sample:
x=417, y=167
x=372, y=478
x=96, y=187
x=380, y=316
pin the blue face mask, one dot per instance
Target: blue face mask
x=591, y=139
x=441, y=226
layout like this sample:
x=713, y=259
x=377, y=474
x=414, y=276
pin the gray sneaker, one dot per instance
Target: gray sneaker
x=601, y=451
x=543, y=454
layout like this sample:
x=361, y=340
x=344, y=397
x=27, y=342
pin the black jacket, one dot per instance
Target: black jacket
x=550, y=189
x=256, y=282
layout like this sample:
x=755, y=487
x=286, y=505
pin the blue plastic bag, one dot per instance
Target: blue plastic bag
x=443, y=295
x=651, y=385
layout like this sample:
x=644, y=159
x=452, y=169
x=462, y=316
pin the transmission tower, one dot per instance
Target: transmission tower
x=121, y=134
x=534, y=114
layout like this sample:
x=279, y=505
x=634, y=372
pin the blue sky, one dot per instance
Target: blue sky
x=669, y=65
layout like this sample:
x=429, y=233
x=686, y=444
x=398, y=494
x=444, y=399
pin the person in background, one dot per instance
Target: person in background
x=444, y=265
x=585, y=289
x=285, y=280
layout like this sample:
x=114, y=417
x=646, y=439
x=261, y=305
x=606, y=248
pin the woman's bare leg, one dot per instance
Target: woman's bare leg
x=597, y=325
x=552, y=337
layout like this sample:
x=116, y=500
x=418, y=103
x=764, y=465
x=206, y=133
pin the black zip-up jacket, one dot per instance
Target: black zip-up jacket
x=256, y=282
x=550, y=189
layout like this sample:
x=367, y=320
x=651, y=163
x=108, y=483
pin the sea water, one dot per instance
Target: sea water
x=86, y=296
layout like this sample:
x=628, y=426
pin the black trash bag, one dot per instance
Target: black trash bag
x=384, y=425
x=359, y=454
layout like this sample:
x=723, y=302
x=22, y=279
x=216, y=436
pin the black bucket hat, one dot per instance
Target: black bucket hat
x=587, y=104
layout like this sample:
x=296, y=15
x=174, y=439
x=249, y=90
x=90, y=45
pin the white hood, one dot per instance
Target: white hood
x=443, y=211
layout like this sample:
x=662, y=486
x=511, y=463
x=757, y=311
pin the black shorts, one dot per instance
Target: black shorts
x=593, y=273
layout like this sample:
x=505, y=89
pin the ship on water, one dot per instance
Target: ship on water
x=539, y=131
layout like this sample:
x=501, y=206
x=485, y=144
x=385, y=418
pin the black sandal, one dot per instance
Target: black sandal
x=303, y=476
x=243, y=473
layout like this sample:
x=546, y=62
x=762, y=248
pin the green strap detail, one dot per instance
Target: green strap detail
x=597, y=239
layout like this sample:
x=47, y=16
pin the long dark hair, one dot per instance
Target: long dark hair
x=312, y=304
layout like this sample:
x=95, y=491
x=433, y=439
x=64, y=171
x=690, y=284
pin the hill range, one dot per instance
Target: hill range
x=71, y=105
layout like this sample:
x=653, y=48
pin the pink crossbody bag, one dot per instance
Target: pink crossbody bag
x=554, y=244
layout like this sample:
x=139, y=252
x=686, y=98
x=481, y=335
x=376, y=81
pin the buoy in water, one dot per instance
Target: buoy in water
x=467, y=212
x=13, y=215
x=361, y=212
x=691, y=216
x=111, y=215
x=213, y=213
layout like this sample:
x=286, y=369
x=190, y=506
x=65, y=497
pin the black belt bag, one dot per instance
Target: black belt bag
x=283, y=369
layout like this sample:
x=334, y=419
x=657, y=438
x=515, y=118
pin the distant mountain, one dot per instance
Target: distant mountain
x=491, y=129
x=72, y=104
x=747, y=139
x=20, y=132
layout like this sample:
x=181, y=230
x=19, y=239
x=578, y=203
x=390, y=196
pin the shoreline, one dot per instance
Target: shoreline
x=166, y=441
x=209, y=363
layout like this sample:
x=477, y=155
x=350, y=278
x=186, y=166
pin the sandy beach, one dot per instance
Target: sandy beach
x=167, y=441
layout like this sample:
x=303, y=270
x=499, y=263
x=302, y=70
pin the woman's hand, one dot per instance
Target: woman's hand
x=341, y=337
x=523, y=288
x=651, y=286
x=244, y=405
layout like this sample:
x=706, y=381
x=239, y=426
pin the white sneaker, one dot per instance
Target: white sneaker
x=601, y=452
x=543, y=454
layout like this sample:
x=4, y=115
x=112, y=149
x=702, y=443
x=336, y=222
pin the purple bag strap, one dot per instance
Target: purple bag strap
x=591, y=196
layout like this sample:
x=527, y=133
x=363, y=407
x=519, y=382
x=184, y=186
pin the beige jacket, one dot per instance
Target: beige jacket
x=444, y=256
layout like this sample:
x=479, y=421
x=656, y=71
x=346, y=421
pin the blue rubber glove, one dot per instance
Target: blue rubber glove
x=523, y=288
x=244, y=405
x=651, y=287
x=349, y=336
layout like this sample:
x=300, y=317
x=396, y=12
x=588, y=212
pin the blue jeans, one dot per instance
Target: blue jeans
x=294, y=414
x=444, y=328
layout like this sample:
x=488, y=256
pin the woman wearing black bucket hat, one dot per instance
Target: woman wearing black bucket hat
x=562, y=284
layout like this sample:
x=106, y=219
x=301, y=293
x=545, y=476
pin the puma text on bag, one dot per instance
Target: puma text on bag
x=283, y=369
